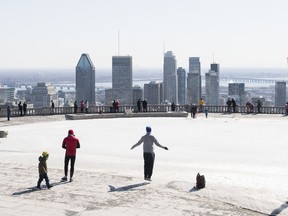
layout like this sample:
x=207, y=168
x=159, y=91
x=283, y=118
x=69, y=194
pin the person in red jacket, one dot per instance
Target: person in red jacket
x=70, y=143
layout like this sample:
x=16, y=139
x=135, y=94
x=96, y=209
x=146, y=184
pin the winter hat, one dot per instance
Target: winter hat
x=45, y=154
x=148, y=129
x=71, y=132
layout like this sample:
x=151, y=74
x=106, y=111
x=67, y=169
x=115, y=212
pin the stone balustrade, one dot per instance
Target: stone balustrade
x=151, y=108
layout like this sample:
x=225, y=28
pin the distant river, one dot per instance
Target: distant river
x=107, y=85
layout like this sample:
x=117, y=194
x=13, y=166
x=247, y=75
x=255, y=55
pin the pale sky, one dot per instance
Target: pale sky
x=54, y=33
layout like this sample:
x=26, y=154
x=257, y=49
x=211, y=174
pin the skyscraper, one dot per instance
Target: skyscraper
x=170, y=90
x=42, y=95
x=137, y=93
x=237, y=91
x=280, y=93
x=152, y=92
x=212, y=85
x=85, y=80
x=194, y=80
x=122, y=79
x=181, y=76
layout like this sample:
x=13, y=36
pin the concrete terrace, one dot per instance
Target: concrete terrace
x=125, y=115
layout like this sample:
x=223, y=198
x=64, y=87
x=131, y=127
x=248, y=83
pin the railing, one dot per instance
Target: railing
x=150, y=108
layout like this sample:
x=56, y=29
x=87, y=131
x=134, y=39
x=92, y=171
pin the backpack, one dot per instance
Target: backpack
x=200, y=181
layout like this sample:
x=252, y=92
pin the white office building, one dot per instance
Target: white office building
x=170, y=85
x=212, y=85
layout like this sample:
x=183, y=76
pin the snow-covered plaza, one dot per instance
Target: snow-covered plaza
x=244, y=159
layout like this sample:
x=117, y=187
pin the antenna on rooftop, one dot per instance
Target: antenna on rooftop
x=118, y=43
x=164, y=46
x=213, y=58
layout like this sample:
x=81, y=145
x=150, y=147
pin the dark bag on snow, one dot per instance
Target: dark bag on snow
x=200, y=181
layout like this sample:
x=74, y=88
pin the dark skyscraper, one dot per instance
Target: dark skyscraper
x=237, y=92
x=280, y=93
x=215, y=67
x=194, y=80
x=85, y=80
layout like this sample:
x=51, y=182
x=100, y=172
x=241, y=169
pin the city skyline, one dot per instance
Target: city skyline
x=53, y=34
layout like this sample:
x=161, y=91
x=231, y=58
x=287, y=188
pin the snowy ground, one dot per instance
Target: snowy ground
x=243, y=157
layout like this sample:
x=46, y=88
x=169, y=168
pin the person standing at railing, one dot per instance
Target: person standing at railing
x=75, y=107
x=229, y=103
x=193, y=110
x=259, y=105
x=86, y=106
x=24, y=107
x=52, y=107
x=139, y=105
x=201, y=105
x=233, y=105
x=111, y=106
x=8, y=112
x=173, y=107
x=144, y=104
x=117, y=104
x=114, y=106
x=20, y=107
x=251, y=107
x=82, y=106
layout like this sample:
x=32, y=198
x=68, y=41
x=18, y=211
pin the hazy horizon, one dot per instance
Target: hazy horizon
x=38, y=34
x=55, y=75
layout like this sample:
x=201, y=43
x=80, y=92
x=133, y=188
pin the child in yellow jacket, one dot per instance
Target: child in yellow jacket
x=42, y=167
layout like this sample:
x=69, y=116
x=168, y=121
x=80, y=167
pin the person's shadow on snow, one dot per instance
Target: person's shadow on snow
x=25, y=191
x=33, y=189
x=126, y=188
x=279, y=209
x=194, y=189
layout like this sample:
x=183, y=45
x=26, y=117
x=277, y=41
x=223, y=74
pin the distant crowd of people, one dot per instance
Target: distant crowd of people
x=194, y=109
x=83, y=106
x=22, y=108
x=250, y=106
x=142, y=106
